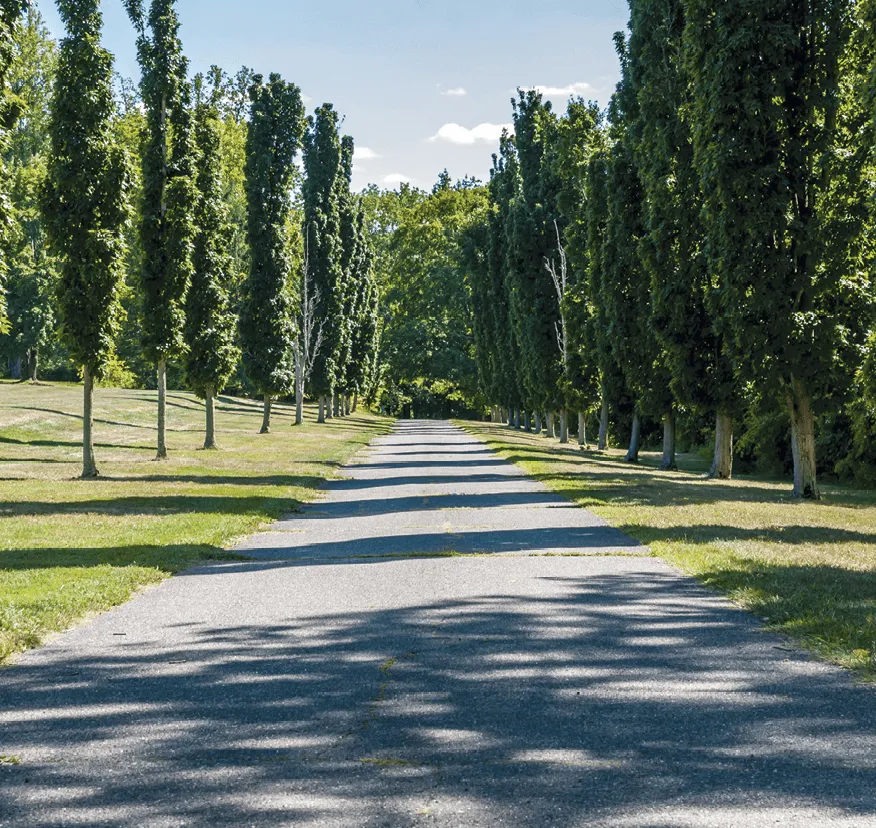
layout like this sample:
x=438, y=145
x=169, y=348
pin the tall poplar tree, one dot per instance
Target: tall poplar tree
x=323, y=241
x=10, y=109
x=673, y=250
x=212, y=353
x=267, y=321
x=778, y=123
x=167, y=229
x=85, y=201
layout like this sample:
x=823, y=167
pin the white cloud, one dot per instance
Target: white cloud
x=563, y=91
x=396, y=178
x=456, y=134
x=365, y=154
x=458, y=92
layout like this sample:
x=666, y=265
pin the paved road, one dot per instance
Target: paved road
x=334, y=682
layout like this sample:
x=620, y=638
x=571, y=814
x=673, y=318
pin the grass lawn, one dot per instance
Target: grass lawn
x=807, y=569
x=70, y=547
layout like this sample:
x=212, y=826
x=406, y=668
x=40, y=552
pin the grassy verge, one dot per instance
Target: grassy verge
x=70, y=547
x=809, y=570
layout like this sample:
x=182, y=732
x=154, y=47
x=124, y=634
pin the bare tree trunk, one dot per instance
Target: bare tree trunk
x=162, y=409
x=550, y=425
x=346, y=405
x=335, y=404
x=803, y=441
x=321, y=417
x=722, y=467
x=564, y=426
x=210, y=406
x=89, y=467
x=527, y=422
x=518, y=419
x=266, y=421
x=635, y=440
x=299, y=385
x=667, y=463
x=557, y=425
x=582, y=429
x=33, y=359
x=355, y=401
x=539, y=426
x=603, y=424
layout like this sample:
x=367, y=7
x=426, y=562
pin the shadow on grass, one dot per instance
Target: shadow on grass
x=65, y=444
x=717, y=533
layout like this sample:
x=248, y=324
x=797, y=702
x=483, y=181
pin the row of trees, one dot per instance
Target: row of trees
x=706, y=244
x=231, y=272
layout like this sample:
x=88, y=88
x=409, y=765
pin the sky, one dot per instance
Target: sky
x=421, y=85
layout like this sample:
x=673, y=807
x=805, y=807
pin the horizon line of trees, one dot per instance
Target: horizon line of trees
x=169, y=225
x=706, y=245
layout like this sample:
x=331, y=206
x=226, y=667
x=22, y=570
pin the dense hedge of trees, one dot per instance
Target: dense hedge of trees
x=161, y=234
x=710, y=237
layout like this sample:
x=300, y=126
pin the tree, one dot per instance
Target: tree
x=324, y=243
x=84, y=200
x=167, y=227
x=267, y=324
x=673, y=249
x=778, y=120
x=212, y=353
x=10, y=109
x=31, y=272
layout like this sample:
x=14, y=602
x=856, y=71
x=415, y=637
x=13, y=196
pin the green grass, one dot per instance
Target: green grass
x=808, y=569
x=69, y=548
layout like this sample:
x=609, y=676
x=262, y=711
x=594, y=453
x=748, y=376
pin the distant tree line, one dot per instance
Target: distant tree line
x=704, y=248
x=162, y=234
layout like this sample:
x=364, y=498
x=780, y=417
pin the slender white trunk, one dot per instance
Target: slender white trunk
x=321, y=417
x=635, y=440
x=582, y=429
x=89, y=467
x=803, y=441
x=210, y=409
x=603, y=424
x=162, y=409
x=550, y=425
x=722, y=466
x=667, y=463
x=266, y=420
x=299, y=385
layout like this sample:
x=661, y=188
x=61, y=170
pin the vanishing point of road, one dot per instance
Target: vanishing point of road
x=438, y=641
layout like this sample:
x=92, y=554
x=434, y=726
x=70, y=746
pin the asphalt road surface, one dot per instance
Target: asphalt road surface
x=439, y=641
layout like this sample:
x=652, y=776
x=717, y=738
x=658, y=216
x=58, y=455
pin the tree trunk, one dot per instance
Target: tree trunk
x=15, y=369
x=355, y=402
x=518, y=422
x=564, y=426
x=803, y=441
x=299, y=386
x=335, y=404
x=89, y=467
x=539, y=426
x=722, y=467
x=667, y=463
x=557, y=425
x=550, y=426
x=582, y=429
x=210, y=406
x=33, y=359
x=321, y=417
x=509, y=417
x=266, y=420
x=162, y=409
x=635, y=440
x=527, y=422
x=346, y=405
x=603, y=424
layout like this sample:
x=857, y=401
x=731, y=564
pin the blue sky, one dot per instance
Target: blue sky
x=422, y=85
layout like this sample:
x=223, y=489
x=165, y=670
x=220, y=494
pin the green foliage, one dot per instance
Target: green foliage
x=84, y=198
x=167, y=226
x=323, y=239
x=210, y=328
x=267, y=326
x=10, y=109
